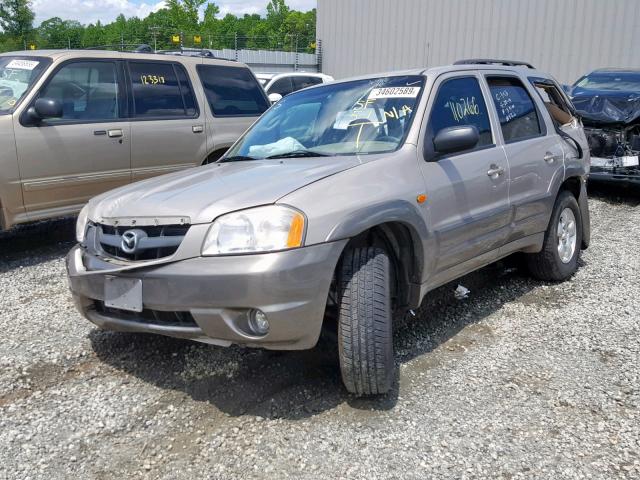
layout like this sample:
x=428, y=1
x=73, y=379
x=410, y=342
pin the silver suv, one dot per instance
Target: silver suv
x=344, y=205
x=74, y=124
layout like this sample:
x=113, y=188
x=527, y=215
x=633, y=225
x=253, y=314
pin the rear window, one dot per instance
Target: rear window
x=232, y=91
x=161, y=90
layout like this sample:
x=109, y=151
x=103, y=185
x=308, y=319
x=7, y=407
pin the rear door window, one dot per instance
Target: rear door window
x=282, y=86
x=161, y=90
x=88, y=91
x=303, y=82
x=232, y=91
x=459, y=102
x=519, y=119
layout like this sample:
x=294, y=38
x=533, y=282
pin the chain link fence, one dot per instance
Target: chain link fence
x=162, y=41
x=266, y=53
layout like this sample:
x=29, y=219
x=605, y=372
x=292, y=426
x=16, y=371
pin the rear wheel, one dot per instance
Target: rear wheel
x=558, y=259
x=365, y=342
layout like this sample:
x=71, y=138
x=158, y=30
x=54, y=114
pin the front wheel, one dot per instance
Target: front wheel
x=365, y=342
x=558, y=259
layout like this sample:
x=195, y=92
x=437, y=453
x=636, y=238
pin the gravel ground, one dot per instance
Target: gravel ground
x=520, y=380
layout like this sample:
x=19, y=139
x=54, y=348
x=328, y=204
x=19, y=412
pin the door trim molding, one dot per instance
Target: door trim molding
x=68, y=181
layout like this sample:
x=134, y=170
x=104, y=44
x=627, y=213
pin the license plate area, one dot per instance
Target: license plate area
x=123, y=293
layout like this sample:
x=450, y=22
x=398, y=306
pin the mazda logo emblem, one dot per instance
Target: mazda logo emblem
x=131, y=239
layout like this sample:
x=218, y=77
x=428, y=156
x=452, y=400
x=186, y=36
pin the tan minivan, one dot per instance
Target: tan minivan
x=74, y=124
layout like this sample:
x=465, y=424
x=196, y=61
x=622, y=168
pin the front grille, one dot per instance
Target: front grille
x=156, y=241
x=148, y=316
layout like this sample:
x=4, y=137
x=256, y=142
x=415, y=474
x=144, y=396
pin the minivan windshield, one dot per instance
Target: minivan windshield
x=17, y=74
x=357, y=117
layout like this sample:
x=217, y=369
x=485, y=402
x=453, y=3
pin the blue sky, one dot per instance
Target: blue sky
x=87, y=11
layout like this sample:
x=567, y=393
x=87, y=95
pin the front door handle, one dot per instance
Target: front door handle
x=549, y=157
x=115, y=133
x=197, y=129
x=495, y=171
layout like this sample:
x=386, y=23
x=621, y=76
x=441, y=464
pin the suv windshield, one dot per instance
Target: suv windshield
x=357, y=117
x=17, y=74
x=623, y=81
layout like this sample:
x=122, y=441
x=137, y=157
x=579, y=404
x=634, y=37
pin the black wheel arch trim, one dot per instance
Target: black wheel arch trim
x=393, y=212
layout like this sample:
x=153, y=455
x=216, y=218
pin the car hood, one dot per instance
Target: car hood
x=598, y=107
x=204, y=193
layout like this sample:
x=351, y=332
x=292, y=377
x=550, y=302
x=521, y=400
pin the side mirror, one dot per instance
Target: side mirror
x=456, y=139
x=46, y=108
x=274, y=98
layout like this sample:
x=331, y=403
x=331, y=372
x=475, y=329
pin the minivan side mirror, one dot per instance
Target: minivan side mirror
x=456, y=139
x=274, y=98
x=45, y=108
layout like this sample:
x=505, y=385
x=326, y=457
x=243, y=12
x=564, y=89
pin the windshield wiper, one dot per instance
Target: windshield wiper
x=237, y=158
x=299, y=154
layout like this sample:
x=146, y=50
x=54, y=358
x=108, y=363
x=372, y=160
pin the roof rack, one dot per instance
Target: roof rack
x=489, y=61
x=144, y=48
x=189, y=52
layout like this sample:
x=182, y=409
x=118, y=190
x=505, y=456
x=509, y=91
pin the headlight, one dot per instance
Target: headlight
x=81, y=224
x=261, y=229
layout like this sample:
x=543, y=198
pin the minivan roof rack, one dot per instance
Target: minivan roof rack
x=490, y=61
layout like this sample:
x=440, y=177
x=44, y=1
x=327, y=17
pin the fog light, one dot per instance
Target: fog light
x=258, y=322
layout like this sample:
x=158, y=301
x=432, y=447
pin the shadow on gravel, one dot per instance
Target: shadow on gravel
x=615, y=194
x=35, y=243
x=295, y=385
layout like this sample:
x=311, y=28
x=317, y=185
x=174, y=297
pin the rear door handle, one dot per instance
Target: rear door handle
x=495, y=171
x=197, y=129
x=115, y=133
x=550, y=157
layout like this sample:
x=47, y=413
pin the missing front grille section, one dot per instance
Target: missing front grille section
x=152, y=242
x=148, y=316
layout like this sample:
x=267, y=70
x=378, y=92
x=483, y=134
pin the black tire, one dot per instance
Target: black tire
x=547, y=265
x=365, y=340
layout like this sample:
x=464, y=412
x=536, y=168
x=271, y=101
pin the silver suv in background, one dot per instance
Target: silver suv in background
x=344, y=205
x=74, y=124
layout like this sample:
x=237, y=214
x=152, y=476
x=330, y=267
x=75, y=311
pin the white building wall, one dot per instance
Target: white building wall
x=566, y=38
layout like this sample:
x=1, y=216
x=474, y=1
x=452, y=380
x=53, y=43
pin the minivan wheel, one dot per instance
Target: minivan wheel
x=558, y=259
x=365, y=342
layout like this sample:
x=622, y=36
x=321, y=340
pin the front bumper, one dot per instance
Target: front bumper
x=621, y=175
x=290, y=287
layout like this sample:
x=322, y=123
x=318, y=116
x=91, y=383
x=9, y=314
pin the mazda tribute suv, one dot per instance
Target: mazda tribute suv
x=344, y=205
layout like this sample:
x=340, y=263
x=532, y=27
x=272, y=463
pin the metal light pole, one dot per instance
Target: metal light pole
x=154, y=32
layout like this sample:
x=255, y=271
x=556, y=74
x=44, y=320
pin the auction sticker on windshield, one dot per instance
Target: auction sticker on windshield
x=18, y=64
x=394, y=92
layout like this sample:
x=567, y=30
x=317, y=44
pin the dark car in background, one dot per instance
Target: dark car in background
x=608, y=101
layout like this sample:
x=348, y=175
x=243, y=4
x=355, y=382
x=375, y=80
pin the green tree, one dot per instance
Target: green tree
x=16, y=17
x=58, y=33
x=184, y=13
x=282, y=28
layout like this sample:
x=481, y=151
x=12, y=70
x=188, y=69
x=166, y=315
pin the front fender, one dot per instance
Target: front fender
x=370, y=216
x=397, y=212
